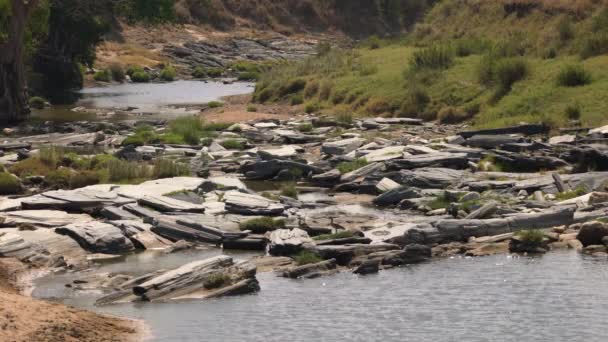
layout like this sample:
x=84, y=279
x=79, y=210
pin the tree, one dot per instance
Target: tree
x=13, y=87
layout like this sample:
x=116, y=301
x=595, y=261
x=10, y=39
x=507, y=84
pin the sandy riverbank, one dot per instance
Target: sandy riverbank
x=27, y=319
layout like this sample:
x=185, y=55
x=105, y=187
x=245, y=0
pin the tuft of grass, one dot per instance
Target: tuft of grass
x=252, y=108
x=30, y=167
x=262, y=225
x=533, y=237
x=573, y=76
x=102, y=76
x=305, y=128
x=117, y=72
x=121, y=171
x=439, y=202
x=248, y=76
x=435, y=57
x=215, y=72
x=338, y=235
x=578, y=192
x=346, y=167
x=217, y=280
x=9, y=184
x=312, y=107
x=345, y=118
x=199, y=72
x=144, y=134
x=307, y=258
x=233, y=144
x=289, y=190
x=190, y=129
x=166, y=168
x=595, y=44
x=140, y=77
x=573, y=111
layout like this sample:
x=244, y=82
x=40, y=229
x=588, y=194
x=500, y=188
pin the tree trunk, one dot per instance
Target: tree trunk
x=13, y=88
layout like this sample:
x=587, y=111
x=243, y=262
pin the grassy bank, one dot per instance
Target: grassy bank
x=484, y=73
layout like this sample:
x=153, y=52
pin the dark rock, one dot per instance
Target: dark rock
x=592, y=233
x=368, y=267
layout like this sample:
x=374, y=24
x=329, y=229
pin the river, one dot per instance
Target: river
x=152, y=100
x=557, y=297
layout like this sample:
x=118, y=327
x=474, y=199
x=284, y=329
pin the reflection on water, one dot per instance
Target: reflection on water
x=557, y=297
x=156, y=100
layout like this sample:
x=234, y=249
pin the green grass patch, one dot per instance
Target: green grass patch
x=37, y=102
x=217, y=280
x=573, y=76
x=233, y=144
x=356, y=164
x=567, y=195
x=289, y=190
x=339, y=235
x=215, y=104
x=9, y=184
x=307, y=258
x=439, y=202
x=102, y=76
x=534, y=237
x=262, y=225
x=168, y=74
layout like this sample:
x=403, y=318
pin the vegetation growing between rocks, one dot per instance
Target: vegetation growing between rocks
x=307, y=258
x=262, y=225
x=339, y=235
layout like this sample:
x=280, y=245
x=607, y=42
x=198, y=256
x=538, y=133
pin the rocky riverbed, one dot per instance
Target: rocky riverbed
x=309, y=196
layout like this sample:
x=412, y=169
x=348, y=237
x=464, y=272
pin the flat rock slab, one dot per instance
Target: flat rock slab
x=362, y=172
x=159, y=187
x=247, y=204
x=341, y=147
x=383, y=154
x=441, y=159
x=283, y=152
x=98, y=237
x=288, y=241
x=57, y=245
x=141, y=234
x=168, y=204
x=42, y=218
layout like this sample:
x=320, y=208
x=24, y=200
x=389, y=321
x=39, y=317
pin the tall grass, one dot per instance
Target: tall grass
x=573, y=76
x=166, y=168
x=435, y=57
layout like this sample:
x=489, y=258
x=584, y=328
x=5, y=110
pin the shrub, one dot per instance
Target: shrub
x=216, y=281
x=305, y=128
x=232, y=144
x=248, y=76
x=292, y=86
x=297, y=100
x=168, y=73
x=415, y=103
x=507, y=72
x=311, y=107
x=132, y=69
x=289, y=190
x=118, y=74
x=451, y=115
x=144, y=134
x=311, y=89
x=344, y=118
x=377, y=105
x=573, y=111
x=215, y=104
x=102, y=76
x=199, y=72
x=165, y=168
x=140, y=77
x=37, y=102
x=346, y=167
x=9, y=184
x=573, y=76
x=83, y=178
x=534, y=237
x=594, y=45
x=306, y=258
x=29, y=167
x=338, y=96
x=339, y=235
x=190, y=129
x=252, y=108
x=59, y=178
x=325, y=90
x=215, y=72
x=262, y=225
x=435, y=57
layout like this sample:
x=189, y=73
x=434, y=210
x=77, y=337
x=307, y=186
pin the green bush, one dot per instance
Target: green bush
x=190, y=129
x=594, y=45
x=305, y=128
x=118, y=74
x=297, y=100
x=415, y=103
x=9, y=184
x=144, y=134
x=30, y=167
x=199, y=72
x=140, y=77
x=374, y=42
x=325, y=90
x=573, y=76
x=323, y=48
x=37, y=102
x=578, y=192
x=166, y=168
x=292, y=87
x=345, y=118
x=132, y=69
x=306, y=258
x=311, y=107
x=346, y=167
x=311, y=89
x=507, y=72
x=59, y=178
x=262, y=225
x=436, y=57
x=289, y=190
x=215, y=72
x=248, y=76
x=168, y=74
x=102, y=76
x=215, y=104
x=573, y=111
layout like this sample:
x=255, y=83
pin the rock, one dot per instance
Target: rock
x=368, y=267
x=470, y=196
x=222, y=183
x=322, y=268
x=342, y=147
x=441, y=159
x=415, y=253
x=386, y=184
x=430, y=178
x=288, y=242
x=267, y=169
x=344, y=254
x=592, y=233
x=98, y=237
x=383, y=154
x=595, y=250
x=562, y=139
x=42, y=218
x=361, y=172
x=397, y=195
x=246, y=204
x=283, y=152
x=168, y=204
x=530, y=129
x=328, y=178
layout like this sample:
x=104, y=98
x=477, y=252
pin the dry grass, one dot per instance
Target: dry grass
x=127, y=54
